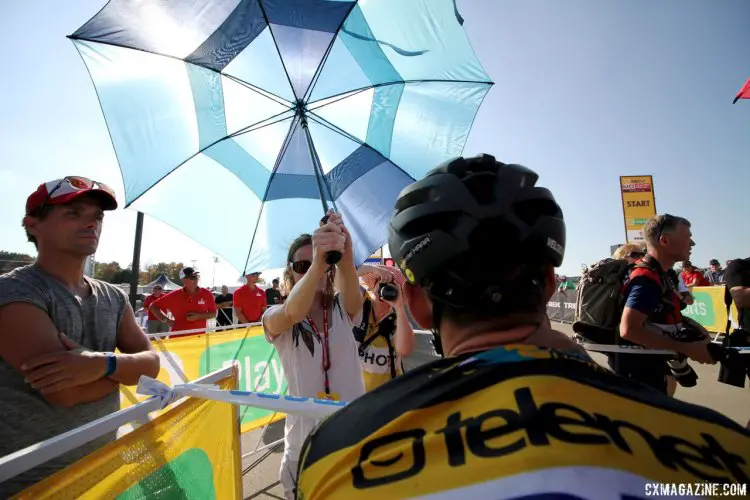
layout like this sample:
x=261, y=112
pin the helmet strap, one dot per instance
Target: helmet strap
x=437, y=313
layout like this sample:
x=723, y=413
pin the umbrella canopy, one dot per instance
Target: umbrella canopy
x=279, y=108
x=744, y=92
x=166, y=284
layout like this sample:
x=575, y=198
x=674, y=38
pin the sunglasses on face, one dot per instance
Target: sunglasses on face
x=301, y=266
x=191, y=278
x=636, y=255
x=72, y=184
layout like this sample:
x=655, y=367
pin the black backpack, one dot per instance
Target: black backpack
x=600, y=300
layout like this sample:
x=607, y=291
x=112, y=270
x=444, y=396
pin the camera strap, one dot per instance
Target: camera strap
x=386, y=327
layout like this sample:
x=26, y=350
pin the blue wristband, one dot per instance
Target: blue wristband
x=111, y=364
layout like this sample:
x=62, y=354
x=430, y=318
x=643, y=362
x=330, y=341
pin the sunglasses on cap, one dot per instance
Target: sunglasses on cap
x=72, y=184
x=301, y=266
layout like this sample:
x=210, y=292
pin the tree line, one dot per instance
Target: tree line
x=111, y=272
x=12, y=260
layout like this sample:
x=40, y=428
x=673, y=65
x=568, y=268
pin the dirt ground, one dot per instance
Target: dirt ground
x=262, y=481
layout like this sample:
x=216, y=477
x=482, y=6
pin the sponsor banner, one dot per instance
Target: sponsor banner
x=708, y=310
x=638, y=204
x=188, y=358
x=191, y=449
x=562, y=306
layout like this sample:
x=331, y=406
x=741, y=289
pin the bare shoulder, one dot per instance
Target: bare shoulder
x=275, y=322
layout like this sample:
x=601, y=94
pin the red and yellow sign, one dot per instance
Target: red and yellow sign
x=638, y=204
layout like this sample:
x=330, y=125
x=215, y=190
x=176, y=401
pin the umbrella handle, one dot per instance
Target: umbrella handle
x=334, y=256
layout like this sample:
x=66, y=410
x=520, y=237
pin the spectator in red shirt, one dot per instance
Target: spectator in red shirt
x=191, y=306
x=692, y=276
x=249, y=300
x=154, y=325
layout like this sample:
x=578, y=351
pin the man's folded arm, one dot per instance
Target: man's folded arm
x=137, y=356
x=26, y=332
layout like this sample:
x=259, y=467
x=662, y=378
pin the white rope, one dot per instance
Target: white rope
x=305, y=407
x=625, y=349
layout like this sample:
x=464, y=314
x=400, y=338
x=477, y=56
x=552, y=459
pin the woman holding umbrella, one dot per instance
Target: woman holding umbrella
x=312, y=330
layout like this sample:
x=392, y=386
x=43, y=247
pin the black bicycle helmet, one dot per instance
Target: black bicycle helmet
x=438, y=218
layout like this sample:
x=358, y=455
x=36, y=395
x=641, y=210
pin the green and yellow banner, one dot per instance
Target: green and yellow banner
x=709, y=309
x=187, y=358
x=191, y=451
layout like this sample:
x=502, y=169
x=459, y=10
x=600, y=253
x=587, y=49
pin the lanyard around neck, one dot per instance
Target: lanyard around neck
x=326, y=357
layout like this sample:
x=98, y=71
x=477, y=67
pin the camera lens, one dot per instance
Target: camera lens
x=387, y=291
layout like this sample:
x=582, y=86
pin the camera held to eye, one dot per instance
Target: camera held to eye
x=387, y=292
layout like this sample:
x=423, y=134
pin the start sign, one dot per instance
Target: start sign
x=638, y=204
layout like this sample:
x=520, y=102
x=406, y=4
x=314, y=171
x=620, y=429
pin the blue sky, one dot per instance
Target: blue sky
x=585, y=91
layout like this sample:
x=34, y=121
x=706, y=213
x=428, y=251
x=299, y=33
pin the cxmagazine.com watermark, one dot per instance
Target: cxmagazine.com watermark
x=705, y=490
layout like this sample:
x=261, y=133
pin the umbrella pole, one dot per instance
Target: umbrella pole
x=135, y=268
x=316, y=165
x=334, y=256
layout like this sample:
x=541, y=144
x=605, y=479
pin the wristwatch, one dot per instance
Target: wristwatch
x=111, y=364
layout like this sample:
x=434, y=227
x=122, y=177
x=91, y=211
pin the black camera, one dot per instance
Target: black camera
x=678, y=365
x=682, y=371
x=387, y=292
x=735, y=366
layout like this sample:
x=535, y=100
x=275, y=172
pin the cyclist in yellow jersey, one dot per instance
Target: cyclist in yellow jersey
x=383, y=332
x=515, y=410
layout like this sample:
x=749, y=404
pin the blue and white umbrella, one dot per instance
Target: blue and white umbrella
x=277, y=108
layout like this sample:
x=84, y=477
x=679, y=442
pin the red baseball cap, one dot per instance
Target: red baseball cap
x=67, y=189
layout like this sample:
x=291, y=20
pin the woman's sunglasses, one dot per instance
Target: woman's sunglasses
x=301, y=266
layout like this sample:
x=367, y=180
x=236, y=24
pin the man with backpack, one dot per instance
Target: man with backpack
x=651, y=315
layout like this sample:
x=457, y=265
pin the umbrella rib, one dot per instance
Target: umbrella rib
x=325, y=123
x=341, y=98
x=249, y=85
x=323, y=61
x=226, y=137
x=271, y=120
x=278, y=51
x=258, y=90
x=349, y=93
x=282, y=152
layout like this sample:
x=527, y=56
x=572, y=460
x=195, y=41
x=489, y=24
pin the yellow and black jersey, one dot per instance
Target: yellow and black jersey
x=377, y=353
x=517, y=422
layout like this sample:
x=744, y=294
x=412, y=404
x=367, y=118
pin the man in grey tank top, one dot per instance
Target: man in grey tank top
x=59, y=329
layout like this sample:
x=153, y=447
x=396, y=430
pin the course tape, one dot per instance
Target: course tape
x=624, y=349
x=304, y=407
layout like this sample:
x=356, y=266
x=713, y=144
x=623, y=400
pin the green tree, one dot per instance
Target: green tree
x=107, y=271
x=171, y=269
x=12, y=260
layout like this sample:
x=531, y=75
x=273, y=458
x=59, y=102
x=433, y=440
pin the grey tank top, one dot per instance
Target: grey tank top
x=26, y=417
